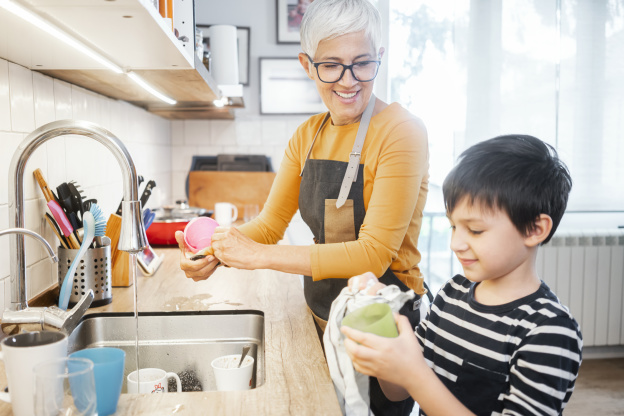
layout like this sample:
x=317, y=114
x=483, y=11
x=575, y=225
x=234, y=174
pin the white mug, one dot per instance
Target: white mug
x=225, y=213
x=151, y=380
x=20, y=354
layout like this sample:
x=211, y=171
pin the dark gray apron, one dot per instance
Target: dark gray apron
x=318, y=195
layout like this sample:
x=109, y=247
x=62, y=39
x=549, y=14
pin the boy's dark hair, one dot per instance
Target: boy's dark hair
x=518, y=174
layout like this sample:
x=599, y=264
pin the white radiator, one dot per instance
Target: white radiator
x=586, y=271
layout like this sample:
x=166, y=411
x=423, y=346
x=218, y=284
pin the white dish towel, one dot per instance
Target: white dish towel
x=351, y=386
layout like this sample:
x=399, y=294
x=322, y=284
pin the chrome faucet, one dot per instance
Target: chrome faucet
x=132, y=238
x=53, y=318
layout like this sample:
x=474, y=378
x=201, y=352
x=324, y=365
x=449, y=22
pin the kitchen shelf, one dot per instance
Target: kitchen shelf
x=130, y=33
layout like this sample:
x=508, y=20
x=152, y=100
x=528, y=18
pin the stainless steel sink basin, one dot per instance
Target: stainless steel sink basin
x=181, y=342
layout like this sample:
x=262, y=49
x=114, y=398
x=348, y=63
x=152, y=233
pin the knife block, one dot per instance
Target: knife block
x=119, y=259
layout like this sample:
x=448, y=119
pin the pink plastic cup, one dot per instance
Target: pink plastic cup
x=198, y=233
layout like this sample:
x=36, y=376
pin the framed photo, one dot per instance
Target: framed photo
x=286, y=89
x=289, y=14
x=242, y=39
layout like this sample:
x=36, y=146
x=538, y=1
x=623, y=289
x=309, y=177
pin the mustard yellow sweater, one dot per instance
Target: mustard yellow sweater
x=396, y=162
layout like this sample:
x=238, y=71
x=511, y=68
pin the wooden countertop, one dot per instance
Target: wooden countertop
x=297, y=379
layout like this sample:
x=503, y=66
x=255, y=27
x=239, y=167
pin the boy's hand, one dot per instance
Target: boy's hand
x=363, y=281
x=392, y=359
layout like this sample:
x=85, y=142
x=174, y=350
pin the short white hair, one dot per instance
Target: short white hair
x=328, y=19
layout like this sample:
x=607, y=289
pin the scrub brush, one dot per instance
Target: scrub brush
x=94, y=224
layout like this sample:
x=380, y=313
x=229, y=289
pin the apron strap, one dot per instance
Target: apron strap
x=313, y=140
x=355, y=155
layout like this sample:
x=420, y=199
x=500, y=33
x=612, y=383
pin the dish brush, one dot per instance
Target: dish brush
x=94, y=224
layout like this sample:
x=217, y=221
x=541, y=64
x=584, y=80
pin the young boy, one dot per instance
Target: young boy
x=496, y=341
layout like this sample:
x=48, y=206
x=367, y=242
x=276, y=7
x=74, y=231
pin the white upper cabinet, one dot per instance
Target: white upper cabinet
x=129, y=33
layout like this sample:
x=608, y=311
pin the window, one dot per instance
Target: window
x=475, y=69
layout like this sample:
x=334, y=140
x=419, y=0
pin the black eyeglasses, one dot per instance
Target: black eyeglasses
x=330, y=72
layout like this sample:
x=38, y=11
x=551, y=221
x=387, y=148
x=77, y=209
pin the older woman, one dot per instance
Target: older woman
x=358, y=174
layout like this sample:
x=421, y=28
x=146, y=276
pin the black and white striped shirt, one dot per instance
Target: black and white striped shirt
x=521, y=358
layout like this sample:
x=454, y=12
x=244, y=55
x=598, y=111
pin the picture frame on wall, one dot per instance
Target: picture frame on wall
x=243, y=39
x=289, y=14
x=286, y=89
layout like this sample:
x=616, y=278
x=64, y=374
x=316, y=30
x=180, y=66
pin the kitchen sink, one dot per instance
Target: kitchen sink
x=181, y=342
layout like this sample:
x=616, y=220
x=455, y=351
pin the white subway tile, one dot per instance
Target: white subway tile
x=119, y=119
x=178, y=185
x=177, y=132
x=39, y=278
x=43, y=88
x=62, y=100
x=208, y=151
x=181, y=158
x=6, y=295
x=21, y=94
x=197, y=132
x=5, y=255
x=8, y=144
x=249, y=132
x=106, y=105
x=274, y=132
x=5, y=100
x=223, y=132
x=79, y=103
x=57, y=166
x=234, y=150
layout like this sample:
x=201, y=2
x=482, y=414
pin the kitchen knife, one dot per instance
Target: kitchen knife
x=147, y=192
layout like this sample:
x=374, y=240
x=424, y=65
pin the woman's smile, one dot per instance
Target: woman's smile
x=346, y=96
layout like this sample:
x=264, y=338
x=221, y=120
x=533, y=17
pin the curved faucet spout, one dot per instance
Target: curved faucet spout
x=133, y=237
x=36, y=236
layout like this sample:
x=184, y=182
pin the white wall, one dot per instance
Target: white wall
x=29, y=100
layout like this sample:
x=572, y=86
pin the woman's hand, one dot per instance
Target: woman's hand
x=395, y=360
x=197, y=270
x=365, y=280
x=235, y=249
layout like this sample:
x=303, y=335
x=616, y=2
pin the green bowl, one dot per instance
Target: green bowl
x=376, y=318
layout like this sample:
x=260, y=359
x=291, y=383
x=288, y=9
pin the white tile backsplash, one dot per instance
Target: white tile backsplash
x=177, y=132
x=5, y=101
x=62, y=100
x=223, y=132
x=22, y=99
x=274, y=132
x=43, y=89
x=28, y=100
x=5, y=262
x=197, y=132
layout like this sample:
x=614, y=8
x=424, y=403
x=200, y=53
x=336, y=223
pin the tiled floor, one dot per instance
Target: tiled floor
x=599, y=389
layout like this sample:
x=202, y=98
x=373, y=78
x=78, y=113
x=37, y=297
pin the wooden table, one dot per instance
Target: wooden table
x=297, y=380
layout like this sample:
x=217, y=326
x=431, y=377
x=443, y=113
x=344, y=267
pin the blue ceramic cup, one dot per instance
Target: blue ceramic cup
x=108, y=370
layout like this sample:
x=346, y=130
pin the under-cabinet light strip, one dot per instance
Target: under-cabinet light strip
x=149, y=88
x=41, y=23
x=37, y=21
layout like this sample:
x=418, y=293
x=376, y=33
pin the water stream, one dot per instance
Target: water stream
x=135, y=283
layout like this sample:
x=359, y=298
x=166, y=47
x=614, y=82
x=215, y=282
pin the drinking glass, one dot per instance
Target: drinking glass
x=251, y=212
x=65, y=387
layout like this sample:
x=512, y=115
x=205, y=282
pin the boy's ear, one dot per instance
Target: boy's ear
x=541, y=229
